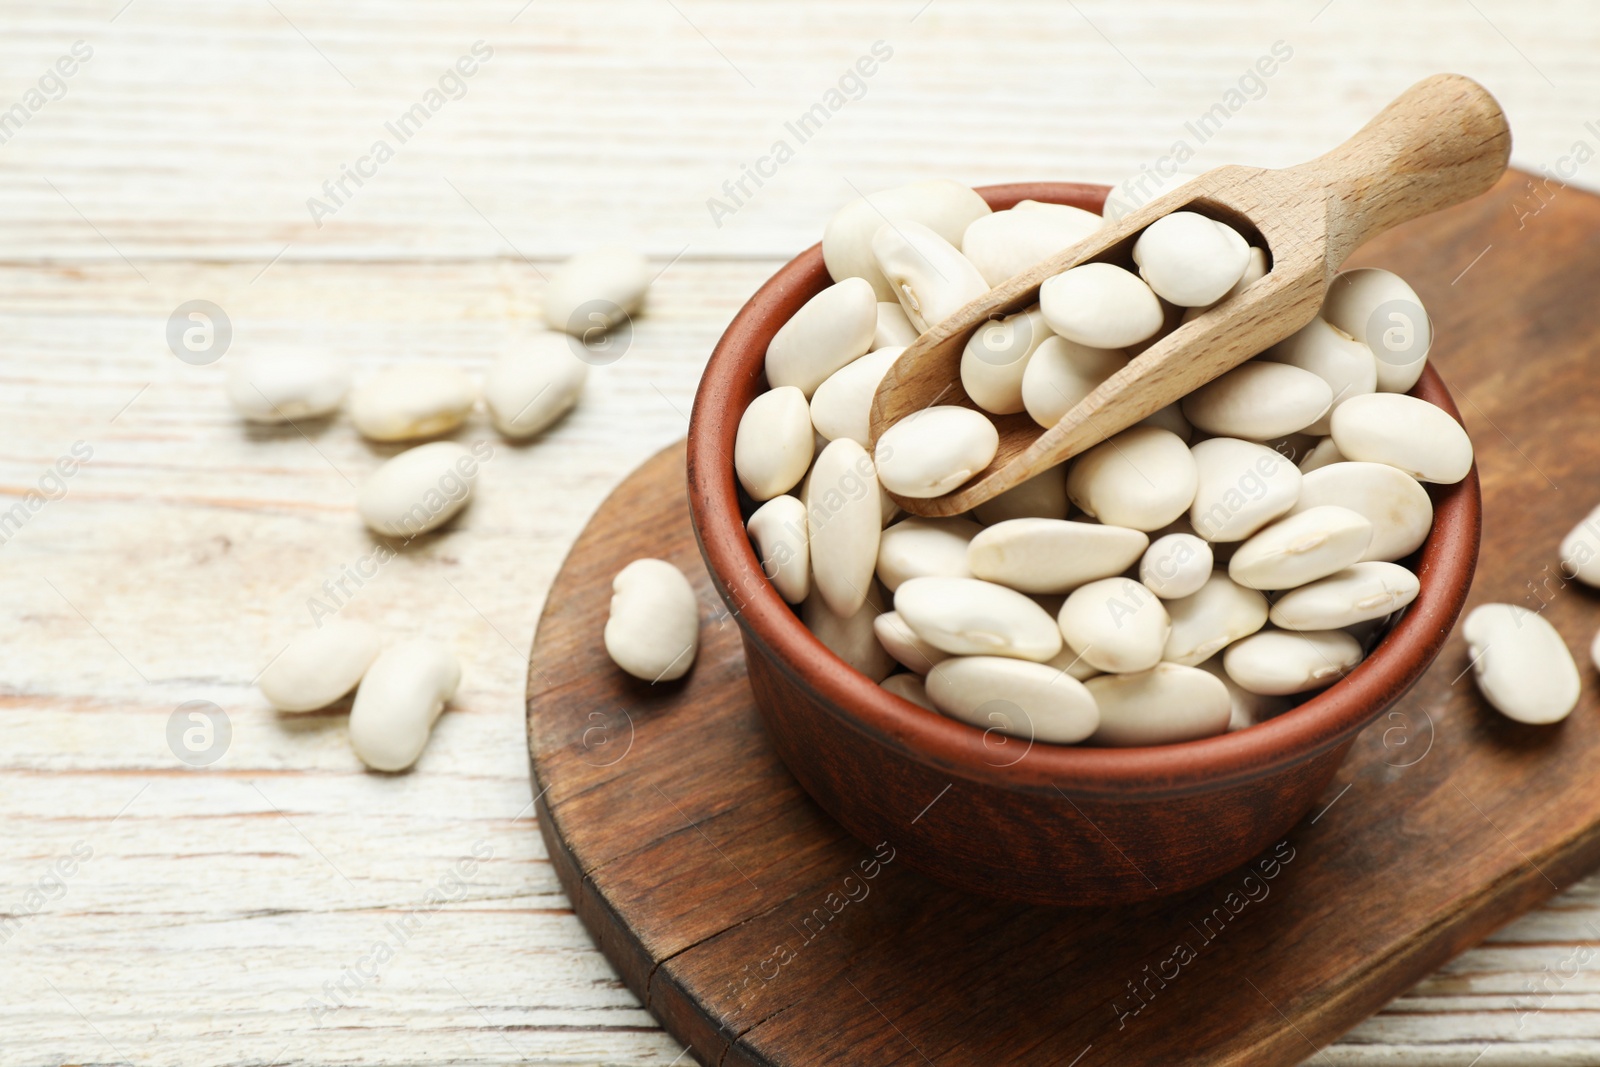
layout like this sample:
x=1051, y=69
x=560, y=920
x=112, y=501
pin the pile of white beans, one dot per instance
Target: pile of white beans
x=1192, y=574
x=402, y=689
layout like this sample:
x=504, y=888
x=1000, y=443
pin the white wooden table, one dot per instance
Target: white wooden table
x=233, y=913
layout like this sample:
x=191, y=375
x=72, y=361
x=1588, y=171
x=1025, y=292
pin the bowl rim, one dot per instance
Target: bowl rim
x=733, y=374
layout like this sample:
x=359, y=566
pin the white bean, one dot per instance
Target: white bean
x=1061, y=373
x=968, y=617
x=1044, y=496
x=283, y=386
x=531, y=386
x=1404, y=432
x=399, y=699
x=1170, y=418
x=1580, y=550
x=1259, y=401
x=944, y=206
x=1398, y=507
x=1142, y=478
x=653, y=629
x=778, y=529
x=901, y=642
x=1190, y=260
x=845, y=520
x=932, y=451
x=842, y=405
x=1347, y=365
x=1248, y=709
x=1521, y=664
x=1206, y=622
x=595, y=290
x=998, y=355
x=420, y=489
x=925, y=548
x=1177, y=565
x=1160, y=706
x=1324, y=453
x=909, y=687
x=894, y=330
x=1116, y=624
x=831, y=329
x=1281, y=662
x=852, y=638
x=1360, y=592
x=1052, y=555
x=1014, y=697
x=1003, y=244
x=772, y=449
x=1241, y=487
x=1101, y=305
x=1254, y=271
x=1383, y=312
x=412, y=400
x=320, y=666
x=929, y=276
x=1307, y=545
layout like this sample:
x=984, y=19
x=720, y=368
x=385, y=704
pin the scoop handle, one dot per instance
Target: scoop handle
x=1442, y=141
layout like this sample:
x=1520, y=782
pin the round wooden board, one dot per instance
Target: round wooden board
x=758, y=932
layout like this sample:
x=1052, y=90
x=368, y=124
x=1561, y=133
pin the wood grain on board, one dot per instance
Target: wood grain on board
x=759, y=933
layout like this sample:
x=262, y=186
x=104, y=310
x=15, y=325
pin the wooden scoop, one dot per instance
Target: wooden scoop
x=1441, y=142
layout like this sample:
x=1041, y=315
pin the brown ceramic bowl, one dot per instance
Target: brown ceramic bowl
x=1045, y=824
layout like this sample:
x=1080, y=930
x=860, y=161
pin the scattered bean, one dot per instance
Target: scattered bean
x=284, y=386
x=398, y=701
x=532, y=386
x=320, y=666
x=1521, y=664
x=653, y=630
x=595, y=290
x=418, y=490
x=412, y=400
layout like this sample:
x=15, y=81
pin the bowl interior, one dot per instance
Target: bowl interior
x=732, y=379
